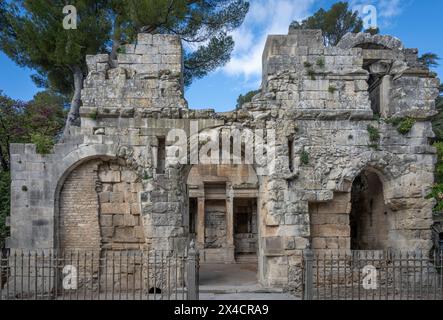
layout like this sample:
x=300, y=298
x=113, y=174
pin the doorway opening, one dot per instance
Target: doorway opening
x=245, y=230
x=370, y=217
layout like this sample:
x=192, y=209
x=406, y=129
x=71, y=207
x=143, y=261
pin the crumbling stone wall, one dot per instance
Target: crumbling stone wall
x=317, y=100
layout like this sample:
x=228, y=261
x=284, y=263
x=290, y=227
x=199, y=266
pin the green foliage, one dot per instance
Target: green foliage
x=321, y=63
x=437, y=124
x=334, y=23
x=34, y=37
x=311, y=74
x=374, y=134
x=39, y=121
x=207, y=58
x=332, y=89
x=403, y=125
x=307, y=65
x=304, y=158
x=44, y=144
x=429, y=60
x=5, y=196
x=437, y=190
x=94, y=115
x=205, y=23
x=406, y=125
x=242, y=99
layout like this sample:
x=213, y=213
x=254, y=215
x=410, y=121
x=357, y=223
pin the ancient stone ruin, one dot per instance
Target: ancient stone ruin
x=340, y=174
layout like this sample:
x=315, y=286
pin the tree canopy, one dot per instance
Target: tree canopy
x=335, y=23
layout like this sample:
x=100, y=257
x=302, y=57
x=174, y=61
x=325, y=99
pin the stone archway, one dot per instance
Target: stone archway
x=370, y=218
x=99, y=208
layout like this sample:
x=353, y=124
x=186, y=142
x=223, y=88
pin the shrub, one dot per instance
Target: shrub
x=403, y=125
x=406, y=125
x=44, y=144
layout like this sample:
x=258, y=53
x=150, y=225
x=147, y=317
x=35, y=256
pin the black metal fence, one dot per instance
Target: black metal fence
x=160, y=275
x=99, y=275
x=373, y=275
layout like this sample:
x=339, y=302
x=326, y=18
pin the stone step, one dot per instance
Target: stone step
x=239, y=289
x=246, y=259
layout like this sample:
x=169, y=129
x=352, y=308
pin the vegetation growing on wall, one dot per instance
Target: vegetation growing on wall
x=304, y=158
x=403, y=125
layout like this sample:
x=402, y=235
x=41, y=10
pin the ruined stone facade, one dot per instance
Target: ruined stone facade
x=343, y=177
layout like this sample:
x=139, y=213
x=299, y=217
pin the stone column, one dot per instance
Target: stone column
x=201, y=223
x=230, y=247
x=230, y=221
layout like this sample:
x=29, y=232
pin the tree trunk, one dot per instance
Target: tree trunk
x=113, y=54
x=74, y=112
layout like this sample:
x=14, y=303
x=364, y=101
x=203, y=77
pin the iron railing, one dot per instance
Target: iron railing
x=98, y=275
x=373, y=275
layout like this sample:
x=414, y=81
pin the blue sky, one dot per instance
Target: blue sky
x=417, y=23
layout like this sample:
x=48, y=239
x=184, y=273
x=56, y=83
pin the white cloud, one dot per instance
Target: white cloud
x=267, y=17
x=386, y=9
x=264, y=18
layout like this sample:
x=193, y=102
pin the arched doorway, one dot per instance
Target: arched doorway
x=370, y=218
x=223, y=219
x=99, y=208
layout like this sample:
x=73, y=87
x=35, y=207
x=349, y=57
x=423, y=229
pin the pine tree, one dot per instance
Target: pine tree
x=335, y=23
x=32, y=35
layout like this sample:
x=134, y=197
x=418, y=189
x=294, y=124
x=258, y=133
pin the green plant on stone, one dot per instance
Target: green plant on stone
x=320, y=62
x=332, y=89
x=403, y=125
x=311, y=74
x=94, y=115
x=406, y=125
x=304, y=158
x=44, y=144
x=307, y=65
x=374, y=134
